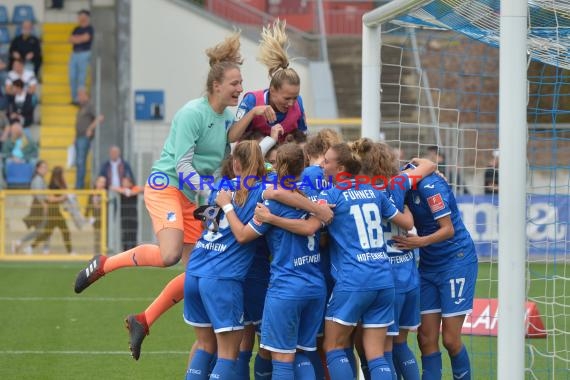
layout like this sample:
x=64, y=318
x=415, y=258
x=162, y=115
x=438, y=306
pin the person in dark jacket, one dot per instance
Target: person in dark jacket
x=115, y=169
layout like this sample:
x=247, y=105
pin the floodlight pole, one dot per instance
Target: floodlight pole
x=512, y=188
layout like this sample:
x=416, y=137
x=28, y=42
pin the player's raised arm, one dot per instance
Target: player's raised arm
x=306, y=227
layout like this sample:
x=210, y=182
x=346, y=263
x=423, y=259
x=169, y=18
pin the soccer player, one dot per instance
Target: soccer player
x=379, y=160
x=213, y=296
x=448, y=272
x=281, y=103
x=364, y=287
x=196, y=144
x=295, y=300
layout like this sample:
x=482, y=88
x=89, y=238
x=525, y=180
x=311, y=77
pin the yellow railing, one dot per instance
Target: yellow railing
x=28, y=230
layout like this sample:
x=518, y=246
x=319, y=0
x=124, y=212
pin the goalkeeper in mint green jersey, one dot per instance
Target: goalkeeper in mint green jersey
x=195, y=147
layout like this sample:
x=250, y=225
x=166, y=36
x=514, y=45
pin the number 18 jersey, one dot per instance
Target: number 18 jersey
x=358, y=255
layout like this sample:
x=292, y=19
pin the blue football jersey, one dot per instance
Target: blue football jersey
x=295, y=264
x=259, y=269
x=248, y=103
x=358, y=254
x=430, y=200
x=217, y=254
x=313, y=181
x=404, y=269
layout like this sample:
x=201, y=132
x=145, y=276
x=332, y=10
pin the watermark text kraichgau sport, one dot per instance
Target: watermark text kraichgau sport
x=342, y=181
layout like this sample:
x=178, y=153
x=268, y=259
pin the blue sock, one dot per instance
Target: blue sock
x=242, y=365
x=199, y=367
x=224, y=370
x=213, y=363
x=364, y=366
x=460, y=365
x=405, y=362
x=303, y=367
x=431, y=366
x=339, y=366
x=352, y=360
x=262, y=368
x=379, y=369
x=317, y=364
x=390, y=361
x=283, y=371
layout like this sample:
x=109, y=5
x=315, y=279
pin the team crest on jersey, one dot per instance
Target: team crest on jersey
x=435, y=203
x=417, y=200
x=322, y=202
x=171, y=216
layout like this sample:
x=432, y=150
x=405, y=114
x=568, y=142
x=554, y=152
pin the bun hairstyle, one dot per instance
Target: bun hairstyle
x=347, y=158
x=273, y=54
x=222, y=57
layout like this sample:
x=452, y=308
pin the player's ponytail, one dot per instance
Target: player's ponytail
x=290, y=162
x=222, y=57
x=248, y=154
x=273, y=54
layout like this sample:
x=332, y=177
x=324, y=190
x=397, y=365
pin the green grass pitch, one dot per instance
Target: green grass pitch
x=49, y=332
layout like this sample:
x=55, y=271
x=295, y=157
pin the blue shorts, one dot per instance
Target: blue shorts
x=211, y=302
x=449, y=292
x=406, y=311
x=374, y=308
x=289, y=325
x=254, y=291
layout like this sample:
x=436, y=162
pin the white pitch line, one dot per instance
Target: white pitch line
x=85, y=299
x=38, y=352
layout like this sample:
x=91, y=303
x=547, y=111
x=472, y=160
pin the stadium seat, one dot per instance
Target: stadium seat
x=4, y=35
x=4, y=15
x=19, y=174
x=4, y=41
x=23, y=13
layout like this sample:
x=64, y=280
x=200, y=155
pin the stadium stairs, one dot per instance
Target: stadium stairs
x=57, y=130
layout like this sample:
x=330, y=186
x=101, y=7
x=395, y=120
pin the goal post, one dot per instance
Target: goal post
x=512, y=123
x=512, y=188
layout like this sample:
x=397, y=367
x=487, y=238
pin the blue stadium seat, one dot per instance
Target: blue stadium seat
x=4, y=35
x=19, y=174
x=23, y=13
x=4, y=15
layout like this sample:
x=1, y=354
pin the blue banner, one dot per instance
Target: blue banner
x=546, y=230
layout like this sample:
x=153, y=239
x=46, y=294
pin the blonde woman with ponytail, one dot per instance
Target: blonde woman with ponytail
x=195, y=146
x=279, y=106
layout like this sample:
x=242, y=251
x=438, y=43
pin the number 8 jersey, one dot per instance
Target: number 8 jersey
x=358, y=254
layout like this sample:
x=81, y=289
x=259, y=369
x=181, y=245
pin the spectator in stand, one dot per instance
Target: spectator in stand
x=19, y=72
x=81, y=39
x=85, y=125
x=18, y=147
x=128, y=192
x=93, y=211
x=3, y=76
x=56, y=4
x=55, y=217
x=21, y=104
x=492, y=175
x=116, y=168
x=27, y=47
